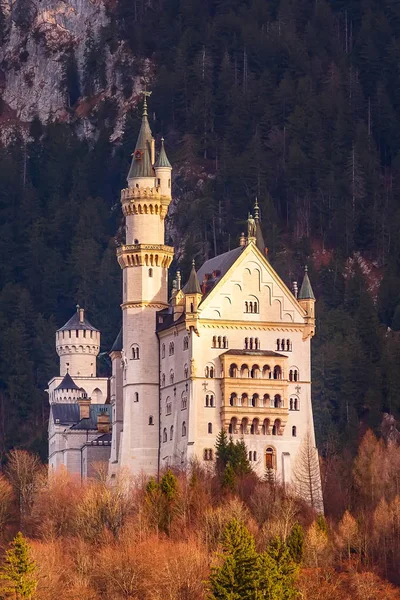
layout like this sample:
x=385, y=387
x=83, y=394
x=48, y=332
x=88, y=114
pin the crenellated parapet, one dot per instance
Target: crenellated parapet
x=77, y=341
x=149, y=255
x=146, y=201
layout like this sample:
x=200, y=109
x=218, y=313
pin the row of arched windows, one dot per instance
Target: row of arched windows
x=255, y=371
x=294, y=404
x=284, y=345
x=171, y=347
x=255, y=400
x=219, y=342
x=253, y=428
x=251, y=343
x=293, y=375
x=251, y=307
x=171, y=432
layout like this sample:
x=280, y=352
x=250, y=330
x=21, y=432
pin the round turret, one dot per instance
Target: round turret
x=77, y=345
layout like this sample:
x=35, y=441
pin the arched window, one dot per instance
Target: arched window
x=296, y=404
x=150, y=272
x=168, y=406
x=233, y=370
x=252, y=429
x=291, y=375
x=136, y=397
x=254, y=456
x=254, y=400
x=288, y=346
x=165, y=435
x=257, y=344
x=163, y=380
x=219, y=341
x=274, y=430
x=250, y=456
x=251, y=343
x=209, y=428
x=186, y=371
x=185, y=342
x=207, y=400
x=171, y=432
x=207, y=372
x=246, y=307
x=230, y=428
x=211, y=372
x=291, y=404
x=208, y=454
x=184, y=429
x=225, y=341
x=163, y=351
x=277, y=372
x=232, y=400
x=295, y=375
x=184, y=402
x=135, y=352
x=214, y=341
x=277, y=401
x=246, y=343
x=171, y=376
x=151, y=420
x=171, y=348
x=278, y=344
x=211, y=400
x=255, y=307
x=250, y=307
x=294, y=431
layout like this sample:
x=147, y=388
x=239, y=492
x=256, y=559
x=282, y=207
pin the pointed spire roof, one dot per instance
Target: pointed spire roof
x=192, y=286
x=259, y=235
x=117, y=345
x=67, y=383
x=306, y=291
x=141, y=161
x=162, y=160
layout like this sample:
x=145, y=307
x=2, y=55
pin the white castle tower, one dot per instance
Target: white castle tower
x=145, y=260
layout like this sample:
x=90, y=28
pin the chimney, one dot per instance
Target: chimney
x=84, y=407
x=103, y=422
x=295, y=289
x=81, y=315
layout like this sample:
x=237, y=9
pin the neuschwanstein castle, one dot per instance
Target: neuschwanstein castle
x=230, y=349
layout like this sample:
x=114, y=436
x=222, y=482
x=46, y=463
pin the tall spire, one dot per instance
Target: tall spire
x=192, y=286
x=141, y=165
x=306, y=291
x=259, y=235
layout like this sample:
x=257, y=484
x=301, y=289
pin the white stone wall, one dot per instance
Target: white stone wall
x=78, y=350
x=95, y=387
x=117, y=415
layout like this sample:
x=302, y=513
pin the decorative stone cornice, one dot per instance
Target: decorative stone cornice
x=248, y=325
x=149, y=255
x=138, y=201
x=143, y=304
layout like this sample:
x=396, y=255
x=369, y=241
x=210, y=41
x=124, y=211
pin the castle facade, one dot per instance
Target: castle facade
x=230, y=349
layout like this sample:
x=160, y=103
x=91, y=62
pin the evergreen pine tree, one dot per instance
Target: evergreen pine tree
x=18, y=569
x=235, y=578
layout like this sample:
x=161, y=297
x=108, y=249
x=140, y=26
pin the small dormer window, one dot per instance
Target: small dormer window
x=158, y=181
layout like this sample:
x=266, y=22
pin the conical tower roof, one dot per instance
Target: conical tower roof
x=306, y=291
x=117, y=345
x=141, y=161
x=192, y=286
x=75, y=322
x=162, y=160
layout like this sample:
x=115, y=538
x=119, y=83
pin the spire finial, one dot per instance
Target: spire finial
x=306, y=268
x=146, y=95
x=77, y=307
x=256, y=210
x=193, y=263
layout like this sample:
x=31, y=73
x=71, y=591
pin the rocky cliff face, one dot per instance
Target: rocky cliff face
x=57, y=63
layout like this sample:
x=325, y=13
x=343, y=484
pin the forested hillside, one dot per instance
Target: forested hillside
x=295, y=102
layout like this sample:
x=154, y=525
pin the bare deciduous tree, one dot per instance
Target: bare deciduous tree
x=306, y=474
x=25, y=472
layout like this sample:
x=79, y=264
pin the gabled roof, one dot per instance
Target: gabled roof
x=162, y=160
x=192, y=286
x=75, y=323
x=141, y=161
x=67, y=384
x=306, y=291
x=117, y=345
x=218, y=266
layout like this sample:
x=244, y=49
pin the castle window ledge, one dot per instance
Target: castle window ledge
x=229, y=412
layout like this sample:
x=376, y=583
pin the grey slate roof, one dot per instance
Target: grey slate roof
x=192, y=286
x=259, y=238
x=74, y=323
x=67, y=384
x=254, y=353
x=117, y=345
x=219, y=264
x=142, y=167
x=162, y=160
x=306, y=291
x=68, y=415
